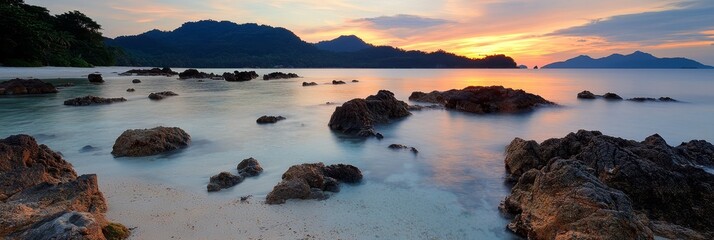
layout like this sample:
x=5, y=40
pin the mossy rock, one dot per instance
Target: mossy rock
x=115, y=231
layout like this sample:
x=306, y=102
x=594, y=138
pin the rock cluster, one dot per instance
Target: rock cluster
x=146, y=142
x=237, y=76
x=91, y=100
x=591, y=186
x=312, y=181
x=247, y=168
x=150, y=72
x=26, y=86
x=613, y=96
x=41, y=196
x=269, y=119
x=358, y=116
x=95, y=78
x=161, y=95
x=195, y=74
x=482, y=100
x=279, y=75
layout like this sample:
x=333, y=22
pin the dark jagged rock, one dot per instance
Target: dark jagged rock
x=136, y=81
x=482, y=100
x=311, y=181
x=586, y=95
x=648, y=99
x=269, y=119
x=92, y=100
x=26, y=86
x=150, y=72
x=237, y=76
x=161, y=95
x=95, y=78
x=223, y=180
x=249, y=167
x=562, y=180
x=305, y=84
x=611, y=96
x=337, y=82
x=402, y=147
x=279, y=75
x=130, y=90
x=358, y=116
x=195, y=74
x=41, y=196
x=146, y=142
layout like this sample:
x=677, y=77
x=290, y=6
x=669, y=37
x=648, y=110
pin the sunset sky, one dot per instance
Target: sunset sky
x=533, y=32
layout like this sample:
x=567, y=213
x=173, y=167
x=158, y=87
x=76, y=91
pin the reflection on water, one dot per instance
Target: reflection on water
x=459, y=154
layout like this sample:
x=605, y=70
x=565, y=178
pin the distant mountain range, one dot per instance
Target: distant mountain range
x=635, y=60
x=226, y=44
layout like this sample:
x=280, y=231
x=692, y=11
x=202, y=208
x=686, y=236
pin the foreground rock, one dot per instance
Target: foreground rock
x=150, y=72
x=591, y=186
x=279, y=75
x=312, y=181
x=306, y=84
x=146, y=142
x=26, y=86
x=482, y=100
x=161, y=95
x=269, y=119
x=247, y=168
x=195, y=74
x=237, y=76
x=92, y=100
x=95, y=78
x=41, y=196
x=358, y=116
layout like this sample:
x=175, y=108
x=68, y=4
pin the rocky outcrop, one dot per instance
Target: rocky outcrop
x=649, y=99
x=92, y=100
x=150, y=72
x=247, y=168
x=95, y=78
x=146, y=142
x=279, y=75
x=237, y=76
x=483, y=100
x=338, y=82
x=306, y=84
x=395, y=146
x=586, y=95
x=269, y=119
x=588, y=185
x=161, y=95
x=311, y=181
x=41, y=196
x=611, y=96
x=195, y=74
x=358, y=116
x=26, y=86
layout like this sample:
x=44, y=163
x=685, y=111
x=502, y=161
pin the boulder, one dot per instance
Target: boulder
x=357, y=117
x=150, y=72
x=95, y=78
x=665, y=183
x=336, y=82
x=136, y=81
x=223, y=180
x=484, y=100
x=312, y=181
x=269, y=119
x=279, y=75
x=586, y=95
x=91, y=100
x=611, y=96
x=146, y=142
x=306, y=84
x=26, y=86
x=249, y=167
x=161, y=95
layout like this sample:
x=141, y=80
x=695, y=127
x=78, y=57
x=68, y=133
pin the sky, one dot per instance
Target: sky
x=532, y=32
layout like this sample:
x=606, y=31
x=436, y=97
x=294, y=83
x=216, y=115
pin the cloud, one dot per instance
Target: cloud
x=689, y=21
x=403, y=21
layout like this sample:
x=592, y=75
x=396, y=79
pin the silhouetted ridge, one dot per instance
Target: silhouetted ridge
x=344, y=43
x=637, y=59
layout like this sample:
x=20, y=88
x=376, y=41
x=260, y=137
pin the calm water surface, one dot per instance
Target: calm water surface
x=460, y=154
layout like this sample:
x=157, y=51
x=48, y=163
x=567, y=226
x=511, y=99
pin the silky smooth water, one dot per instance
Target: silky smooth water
x=460, y=162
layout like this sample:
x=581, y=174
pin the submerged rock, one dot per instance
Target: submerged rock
x=586, y=95
x=355, y=80
x=279, y=75
x=146, y=142
x=195, y=74
x=92, y=100
x=269, y=119
x=482, y=100
x=311, y=180
x=136, y=81
x=88, y=148
x=611, y=96
x=336, y=82
x=648, y=99
x=237, y=76
x=41, y=196
x=305, y=84
x=402, y=147
x=95, y=78
x=161, y=95
x=576, y=185
x=26, y=86
x=150, y=72
x=358, y=116
x=130, y=90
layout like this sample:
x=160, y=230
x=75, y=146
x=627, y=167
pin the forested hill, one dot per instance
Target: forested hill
x=32, y=37
x=226, y=44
